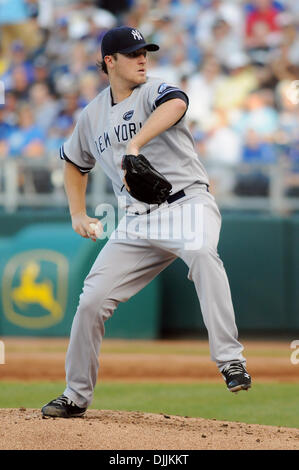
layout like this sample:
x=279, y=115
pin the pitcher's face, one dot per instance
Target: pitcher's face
x=131, y=67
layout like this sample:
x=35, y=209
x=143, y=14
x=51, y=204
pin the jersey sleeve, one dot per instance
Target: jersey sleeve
x=160, y=92
x=76, y=149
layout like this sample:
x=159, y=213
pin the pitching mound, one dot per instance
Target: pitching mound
x=23, y=429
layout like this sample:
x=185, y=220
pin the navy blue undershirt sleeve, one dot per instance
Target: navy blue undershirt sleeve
x=172, y=95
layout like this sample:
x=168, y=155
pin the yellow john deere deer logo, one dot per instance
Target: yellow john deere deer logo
x=34, y=288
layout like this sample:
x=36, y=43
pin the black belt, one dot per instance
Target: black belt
x=180, y=194
x=176, y=196
x=172, y=198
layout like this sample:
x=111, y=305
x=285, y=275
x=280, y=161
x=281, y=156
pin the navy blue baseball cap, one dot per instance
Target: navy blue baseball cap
x=124, y=40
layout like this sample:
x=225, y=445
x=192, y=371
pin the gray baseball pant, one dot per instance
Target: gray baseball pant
x=128, y=263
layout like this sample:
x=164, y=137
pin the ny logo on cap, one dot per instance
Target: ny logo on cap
x=136, y=34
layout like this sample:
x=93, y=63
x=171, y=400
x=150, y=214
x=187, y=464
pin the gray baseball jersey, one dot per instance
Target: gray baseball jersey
x=104, y=130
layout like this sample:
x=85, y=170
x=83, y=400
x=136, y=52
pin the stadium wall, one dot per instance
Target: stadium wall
x=43, y=264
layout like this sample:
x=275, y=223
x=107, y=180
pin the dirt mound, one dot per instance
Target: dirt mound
x=25, y=429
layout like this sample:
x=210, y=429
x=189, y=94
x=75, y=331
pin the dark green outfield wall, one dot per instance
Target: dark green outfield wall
x=261, y=257
x=42, y=270
x=43, y=264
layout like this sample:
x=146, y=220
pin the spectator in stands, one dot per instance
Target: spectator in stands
x=222, y=136
x=292, y=177
x=3, y=61
x=11, y=108
x=79, y=61
x=285, y=58
x=253, y=180
x=185, y=13
x=13, y=23
x=287, y=97
x=77, y=64
x=68, y=116
x=27, y=139
x=42, y=71
x=259, y=116
x=224, y=42
x=20, y=83
x=263, y=13
x=229, y=10
x=256, y=149
x=45, y=108
x=166, y=71
x=223, y=153
x=225, y=54
x=201, y=88
x=287, y=137
x=19, y=56
x=18, y=61
x=99, y=23
x=135, y=16
x=263, y=29
x=89, y=87
x=59, y=44
x=258, y=126
x=240, y=81
x=5, y=127
x=164, y=35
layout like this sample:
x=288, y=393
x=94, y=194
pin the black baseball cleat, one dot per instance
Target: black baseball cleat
x=236, y=377
x=62, y=407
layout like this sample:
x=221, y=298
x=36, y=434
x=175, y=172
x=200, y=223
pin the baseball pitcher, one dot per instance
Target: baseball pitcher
x=135, y=129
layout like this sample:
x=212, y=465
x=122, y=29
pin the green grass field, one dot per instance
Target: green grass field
x=266, y=403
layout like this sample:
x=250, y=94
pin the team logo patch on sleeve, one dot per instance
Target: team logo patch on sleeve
x=162, y=87
x=127, y=116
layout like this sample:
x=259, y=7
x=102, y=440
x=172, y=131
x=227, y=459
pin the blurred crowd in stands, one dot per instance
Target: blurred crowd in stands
x=237, y=60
